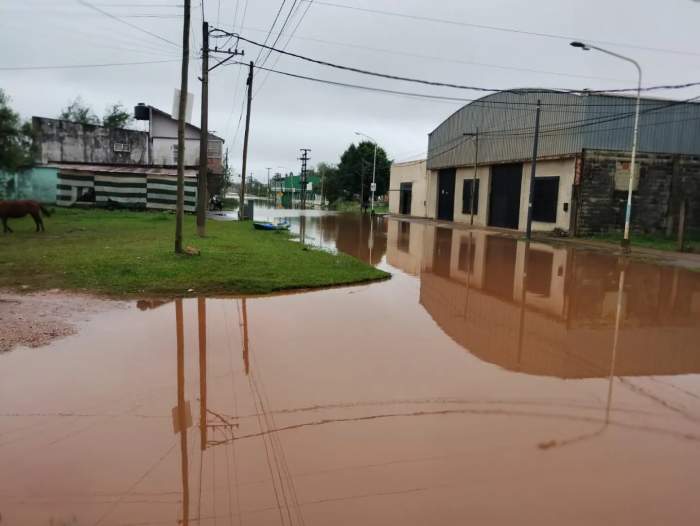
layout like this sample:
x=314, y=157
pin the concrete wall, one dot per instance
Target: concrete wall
x=565, y=169
x=37, y=183
x=483, y=176
x=411, y=172
x=664, y=180
x=164, y=143
x=64, y=141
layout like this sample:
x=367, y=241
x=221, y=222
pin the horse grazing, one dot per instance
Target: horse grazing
x=17, y=209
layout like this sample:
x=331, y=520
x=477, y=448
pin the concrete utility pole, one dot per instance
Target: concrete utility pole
x=373, y=188
x=204, y=137
x=635, y=134
x=533, y=171
x=182, y=110
x=249, y=82
x=475, y=136
x=304, y=159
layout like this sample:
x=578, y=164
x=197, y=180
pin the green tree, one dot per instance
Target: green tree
x=116, y=116
x=355, y=171
x=15, y=138
x=78, y=111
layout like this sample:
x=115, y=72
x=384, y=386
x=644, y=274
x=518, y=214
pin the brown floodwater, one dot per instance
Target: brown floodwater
x=488, y=382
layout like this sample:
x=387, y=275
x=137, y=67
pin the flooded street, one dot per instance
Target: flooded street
x=487, y=382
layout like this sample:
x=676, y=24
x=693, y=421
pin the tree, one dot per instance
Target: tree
x=355, y=171
x=116, y=116
x=15, y=138
x=78, y=111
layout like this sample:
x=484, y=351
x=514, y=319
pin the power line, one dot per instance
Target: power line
x=85, y=66
x=445, y=84
x=284, y=24
x=503, y=29
x=496, y=104
x=121, y=20
x=279, y=11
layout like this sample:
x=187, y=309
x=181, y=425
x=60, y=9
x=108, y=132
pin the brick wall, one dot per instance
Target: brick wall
x=664, y=180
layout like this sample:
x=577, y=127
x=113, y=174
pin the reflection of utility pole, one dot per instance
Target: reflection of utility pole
x=246, y=359
x=202, y=319
x=182, y=411
x=521, y=326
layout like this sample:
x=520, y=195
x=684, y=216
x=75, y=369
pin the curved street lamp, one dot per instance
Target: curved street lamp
x=628, y=211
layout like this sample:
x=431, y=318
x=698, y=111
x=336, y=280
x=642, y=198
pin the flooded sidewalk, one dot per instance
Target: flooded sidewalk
x=489, y=381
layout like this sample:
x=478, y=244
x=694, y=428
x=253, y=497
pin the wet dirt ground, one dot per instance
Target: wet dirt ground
x=488, y=382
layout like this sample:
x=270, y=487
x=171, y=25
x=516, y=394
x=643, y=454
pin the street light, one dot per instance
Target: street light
x=374, y=167
x=635, y=134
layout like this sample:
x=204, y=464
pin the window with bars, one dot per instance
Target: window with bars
x=467, y=196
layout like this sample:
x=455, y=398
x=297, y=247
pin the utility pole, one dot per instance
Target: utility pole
x=182, y=110
x=204, y=137
x=476, y=160
x=304, y=160
x=249, y=82
x=533, y=170
x=268, y=184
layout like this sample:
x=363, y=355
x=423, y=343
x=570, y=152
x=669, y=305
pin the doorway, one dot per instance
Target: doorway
x=504, y=201
x=446, y=194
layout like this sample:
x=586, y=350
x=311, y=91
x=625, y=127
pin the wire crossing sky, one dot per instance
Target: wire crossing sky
x=126, y=51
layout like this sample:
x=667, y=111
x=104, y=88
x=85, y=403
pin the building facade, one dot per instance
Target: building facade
x=482, y=155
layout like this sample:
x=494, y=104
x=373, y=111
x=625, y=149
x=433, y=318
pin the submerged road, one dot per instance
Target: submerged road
x=488, y=382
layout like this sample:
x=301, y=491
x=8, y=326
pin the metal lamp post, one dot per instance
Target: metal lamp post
x=628, y=211
x=374, y=167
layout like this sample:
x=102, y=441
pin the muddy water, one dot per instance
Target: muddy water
x=487, y=382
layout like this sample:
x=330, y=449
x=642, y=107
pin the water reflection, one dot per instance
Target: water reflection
x=538, y=309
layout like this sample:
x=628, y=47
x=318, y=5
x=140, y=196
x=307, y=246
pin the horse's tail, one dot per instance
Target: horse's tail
x=45, y=210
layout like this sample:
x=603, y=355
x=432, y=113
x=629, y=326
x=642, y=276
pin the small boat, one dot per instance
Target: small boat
x=266, y=225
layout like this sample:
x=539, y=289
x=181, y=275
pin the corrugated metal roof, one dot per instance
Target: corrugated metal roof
x=121, y=169
x=568, y=124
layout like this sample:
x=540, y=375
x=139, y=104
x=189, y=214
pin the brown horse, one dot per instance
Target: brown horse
x=17, y=209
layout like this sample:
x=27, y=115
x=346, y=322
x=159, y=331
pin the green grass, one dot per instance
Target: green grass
x=124, y=252
x=655, y=241
x=354, y=206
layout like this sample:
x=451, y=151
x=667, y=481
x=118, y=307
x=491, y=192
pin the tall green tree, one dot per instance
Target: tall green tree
x=355, y=171
x=15, y=138
x=78, y=111
x=117, y=116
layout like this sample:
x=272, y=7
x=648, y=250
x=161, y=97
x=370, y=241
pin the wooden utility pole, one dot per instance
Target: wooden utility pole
x=682, y=215
x=533, y=170
x=182, y=110
x=182, y=410
x=202, y=326
x=249, y=82
x=204, y=137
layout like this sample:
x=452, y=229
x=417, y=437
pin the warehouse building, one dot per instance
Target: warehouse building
x=482, y=155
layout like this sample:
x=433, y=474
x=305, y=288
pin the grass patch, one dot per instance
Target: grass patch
x=656, y=241
x=124, y=252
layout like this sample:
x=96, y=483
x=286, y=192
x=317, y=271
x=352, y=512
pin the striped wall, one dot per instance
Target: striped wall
x=162, y=193
x=71, y=186
x=155, y=192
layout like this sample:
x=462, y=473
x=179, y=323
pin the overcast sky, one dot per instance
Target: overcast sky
x=289, y=113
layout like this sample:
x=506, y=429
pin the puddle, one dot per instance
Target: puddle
x=488, y=382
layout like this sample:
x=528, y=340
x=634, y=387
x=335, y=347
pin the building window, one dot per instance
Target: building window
x=121, y=147
x=214, y=150
x=405, y=196
x=544, y=199
x=467, y=255
x=467, y=197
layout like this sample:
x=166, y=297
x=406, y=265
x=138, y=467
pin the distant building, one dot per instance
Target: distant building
x=582, y=169
x=91, y=165
x=163, y=140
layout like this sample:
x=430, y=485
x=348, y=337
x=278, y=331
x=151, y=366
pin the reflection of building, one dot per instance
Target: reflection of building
x=582, y=169
x=558, y=320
